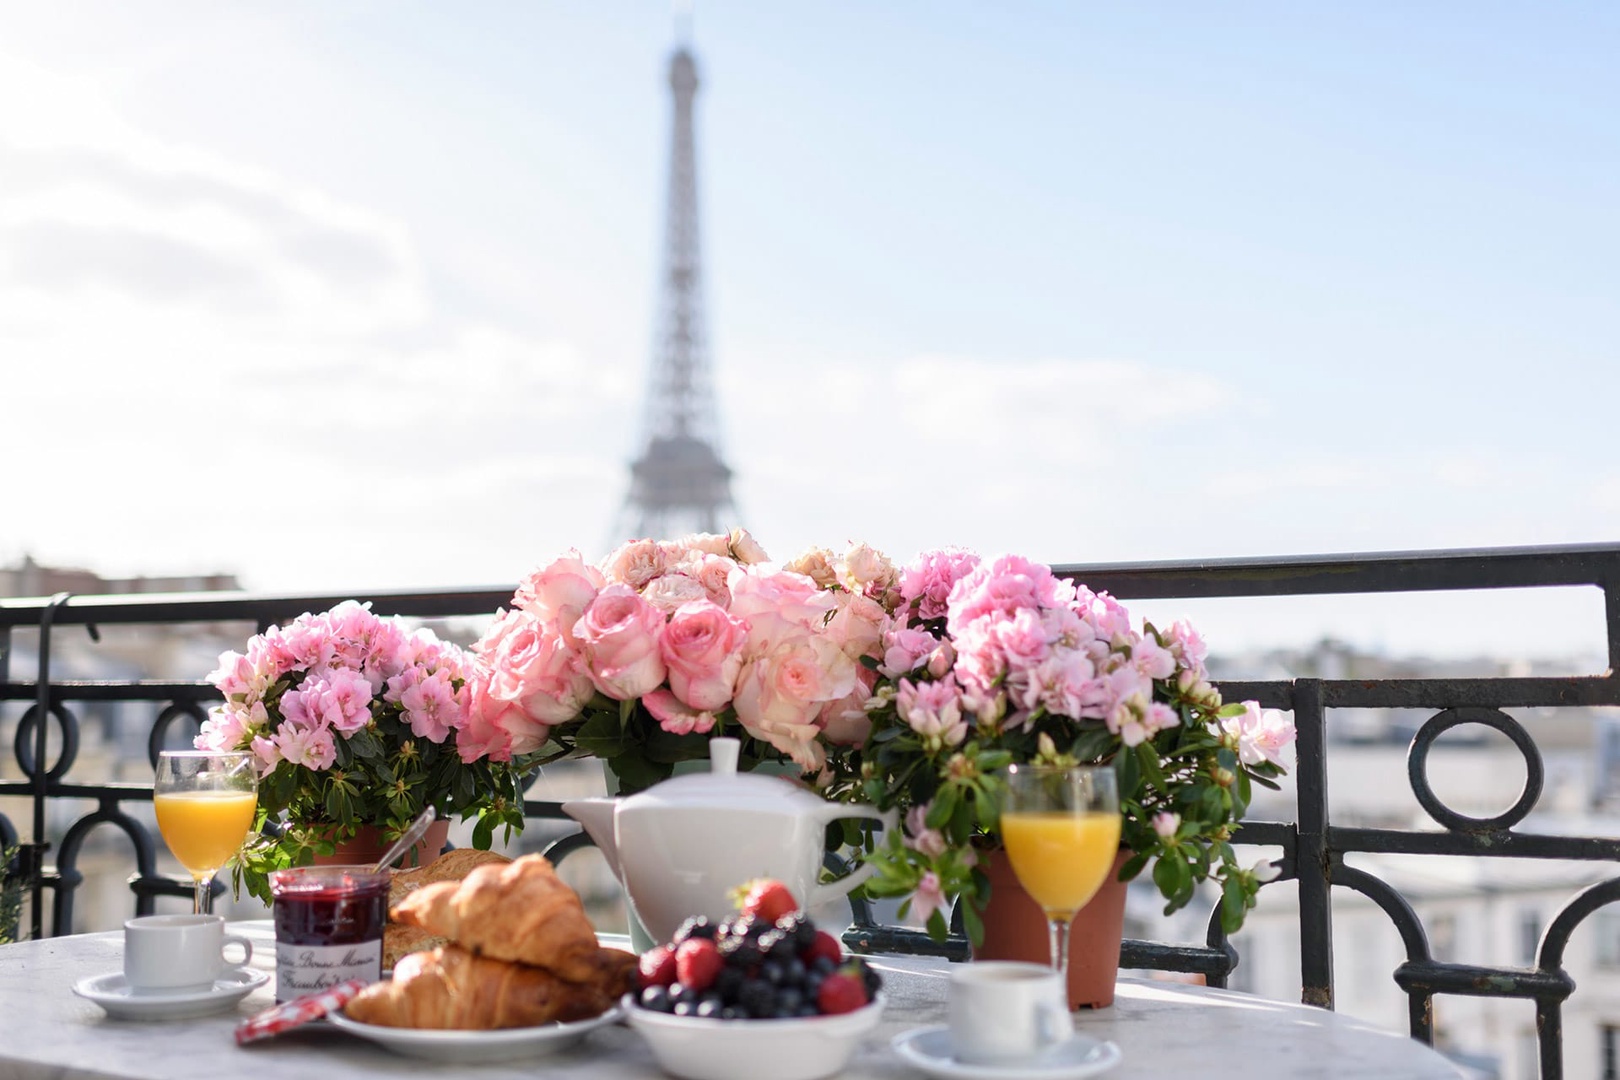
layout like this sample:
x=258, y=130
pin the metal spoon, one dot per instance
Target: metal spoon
x=407, y=840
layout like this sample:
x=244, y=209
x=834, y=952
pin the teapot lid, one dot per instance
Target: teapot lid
x=724, y=787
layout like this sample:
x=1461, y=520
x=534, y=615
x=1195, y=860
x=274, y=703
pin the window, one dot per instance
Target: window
x=1606, y=934
x=1611, y=1052
x=1529, y=935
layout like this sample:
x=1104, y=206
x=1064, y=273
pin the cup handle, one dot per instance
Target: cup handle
x=1055, y=1024
x=833, y=890
x=247, y=949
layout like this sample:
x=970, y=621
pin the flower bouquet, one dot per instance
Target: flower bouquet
x=355, y=721
x=642, y=659
x=991, y=662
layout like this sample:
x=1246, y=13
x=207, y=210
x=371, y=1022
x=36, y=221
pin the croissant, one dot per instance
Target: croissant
x=521, y=911
x=452, y=988
x=400, y=940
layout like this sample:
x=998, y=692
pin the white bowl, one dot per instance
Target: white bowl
x=702, y=1048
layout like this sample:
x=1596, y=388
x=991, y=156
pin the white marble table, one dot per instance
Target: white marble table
x=1164, y=1029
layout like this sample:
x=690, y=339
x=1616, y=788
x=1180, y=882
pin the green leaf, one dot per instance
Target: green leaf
x=1148, y=758
x=972, y=922
x=1128, y=772
x=942, y=809
x=601, y=736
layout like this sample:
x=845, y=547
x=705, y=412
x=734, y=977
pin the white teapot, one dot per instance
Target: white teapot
x=680, y=847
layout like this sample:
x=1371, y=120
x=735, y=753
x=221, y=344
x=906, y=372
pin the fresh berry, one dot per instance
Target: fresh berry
x=767, y=900
x=656, y=998
x=697, y=926
x=798, y=929
x=841, y=992
x=823, y=945
x=741, y=952
x=657, y=967
x=697, y=962
x=776, y=945
x=757, y=998
x=728, y=982
x=870, y=979
x=709, y=1008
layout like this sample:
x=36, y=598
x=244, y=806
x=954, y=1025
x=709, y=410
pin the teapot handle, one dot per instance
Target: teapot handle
x=834, y=890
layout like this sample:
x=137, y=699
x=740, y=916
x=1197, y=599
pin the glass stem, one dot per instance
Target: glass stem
x=1058, y=927
x=203, y=895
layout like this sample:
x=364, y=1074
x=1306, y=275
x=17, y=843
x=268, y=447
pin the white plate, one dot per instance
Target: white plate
x=929, y=1049
x=114, y=994
x=476, y=1047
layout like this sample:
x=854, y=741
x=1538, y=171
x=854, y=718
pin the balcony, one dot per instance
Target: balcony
x=1332, y=866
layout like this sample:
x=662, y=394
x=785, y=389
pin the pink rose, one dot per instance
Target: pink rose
x=905, y=649
x=780, y=693
x=745, y=549
x=672, y=590
x=697, y=544
x=857, y=625
x=531, y=666
x=676, y=717
x=702, y=649
x=484, y=734
x=845, y=722
x=777, y=606
x=619, y=635
x=561, y=591
x=635, y=563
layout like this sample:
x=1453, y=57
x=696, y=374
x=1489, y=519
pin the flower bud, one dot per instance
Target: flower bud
x=1225, y=777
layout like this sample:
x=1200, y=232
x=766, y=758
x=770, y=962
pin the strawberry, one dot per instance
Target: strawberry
x=826, y=945
x=767, y=900
x=841, y=992
x=697, y=963
x=657, y=967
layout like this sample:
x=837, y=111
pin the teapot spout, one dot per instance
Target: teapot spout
x=596, y=815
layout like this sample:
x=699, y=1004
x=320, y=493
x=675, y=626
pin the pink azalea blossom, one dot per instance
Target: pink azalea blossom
x=1153, y=660
x=306, y=746
x=432, y=707
x=927, y=581
x=1165, y=824
x=933, y=709
x=1136, y=719
x=919, y=837
x=905, y=649
x=340, y=699
x=1262, y=735
x=929, y=897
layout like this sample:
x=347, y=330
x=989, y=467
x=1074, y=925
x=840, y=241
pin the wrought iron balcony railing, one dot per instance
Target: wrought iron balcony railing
x=1314, y=848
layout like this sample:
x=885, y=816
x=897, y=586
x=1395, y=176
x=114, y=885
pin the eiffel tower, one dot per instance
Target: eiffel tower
x=679, y=484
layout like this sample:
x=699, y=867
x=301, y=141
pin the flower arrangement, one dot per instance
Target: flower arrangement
x=355, y=721
x=990, y=662
x=641, y=659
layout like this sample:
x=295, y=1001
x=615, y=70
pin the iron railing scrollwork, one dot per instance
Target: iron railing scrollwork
x=1314, y=849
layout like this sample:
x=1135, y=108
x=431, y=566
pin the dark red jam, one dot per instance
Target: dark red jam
x=329, y=926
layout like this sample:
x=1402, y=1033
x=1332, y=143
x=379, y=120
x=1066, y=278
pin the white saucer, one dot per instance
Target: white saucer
x=113, y=993
x=929, y=1049
x=476, y=1047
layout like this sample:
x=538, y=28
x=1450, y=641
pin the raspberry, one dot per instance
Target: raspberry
x=823, y=945
x=657, y=967
x=697, y=962
x=840, y=993
x=767, y=900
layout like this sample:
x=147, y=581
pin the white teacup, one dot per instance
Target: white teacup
x=175, y=954
x=1004, y=1012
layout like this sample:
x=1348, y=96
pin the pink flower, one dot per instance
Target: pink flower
x=745, y=549
x=1261, y=735
x=713, y=573
x=431, y=706
x=817, y=565
x=857, y=625
x=559, y=592
x=919, y=837
x=340, y=699
x=267, y=753
x=225, y=729
x=1187, y=644
x=702, y=649
x=486, y=734
x=697, y=544
x=933, y=710
x=927, y=581
x=780, y=693
x=845, y=722
x=929, y=897
x=1001, y=588
x=672, y=590
x=1165, y=823
x=530, y=665
x=905, y=649
x=619, y=635
x=1136, y=719
x=1022, y=639
x=308, y=747
x=674, y=716
x=1152, y=659
x=866, y=571
x=635, y=563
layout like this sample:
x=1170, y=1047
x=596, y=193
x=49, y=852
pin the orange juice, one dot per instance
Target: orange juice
x=1061, y=859
x=204, y=828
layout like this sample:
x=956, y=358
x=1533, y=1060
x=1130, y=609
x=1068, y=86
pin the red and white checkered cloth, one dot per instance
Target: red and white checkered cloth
x=290, y=1014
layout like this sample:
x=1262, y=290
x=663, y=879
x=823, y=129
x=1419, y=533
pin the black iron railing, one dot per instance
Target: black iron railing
x=1313, y=847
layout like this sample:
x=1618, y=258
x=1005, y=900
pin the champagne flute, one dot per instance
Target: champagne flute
x=1060, y=827
x=205, y=802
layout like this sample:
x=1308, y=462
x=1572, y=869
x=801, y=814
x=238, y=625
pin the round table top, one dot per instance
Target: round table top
x=1162, y=1029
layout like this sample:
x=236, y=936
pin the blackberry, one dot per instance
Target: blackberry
x=740, y=952
x=758, y=997
x=772, y=971
x=777, y=945
x=728, y=983
x=794, y=973
x=698, y=926
x=656, y=998
x=797, y=928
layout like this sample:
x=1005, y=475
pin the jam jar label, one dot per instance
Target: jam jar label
x=305, y=969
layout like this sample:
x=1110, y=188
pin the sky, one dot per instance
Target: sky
x=348, y=295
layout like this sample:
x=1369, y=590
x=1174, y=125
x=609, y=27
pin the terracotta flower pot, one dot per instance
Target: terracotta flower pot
x=1015, y=929
x=370, y=844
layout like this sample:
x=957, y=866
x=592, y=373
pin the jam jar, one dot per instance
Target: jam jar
x=329, y=926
